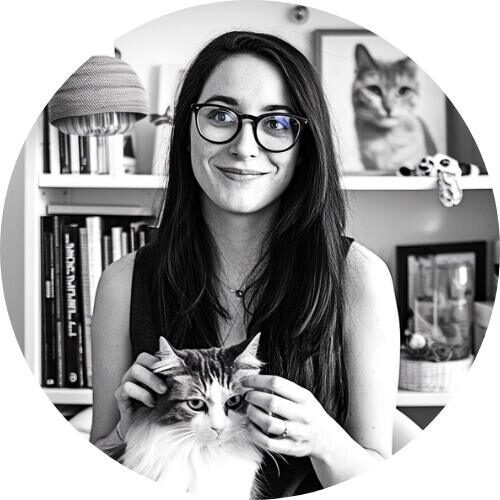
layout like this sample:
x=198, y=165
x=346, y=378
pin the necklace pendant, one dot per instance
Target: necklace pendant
x=238, y=293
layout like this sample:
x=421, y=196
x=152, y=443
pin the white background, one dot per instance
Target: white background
x=41, y=456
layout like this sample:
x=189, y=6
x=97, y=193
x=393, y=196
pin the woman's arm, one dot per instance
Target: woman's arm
x=300, y=425
x=116, y=379
x=371, y=342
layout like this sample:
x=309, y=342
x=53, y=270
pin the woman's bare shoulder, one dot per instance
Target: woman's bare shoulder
x=115, y=287
x=362, y=264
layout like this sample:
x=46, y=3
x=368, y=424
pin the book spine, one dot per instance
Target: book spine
x=107, y=251
x=116, y=159
x=84, y=153
x=58, y=297
x=124, y=236
x=46, y=142
x=64, y=153
x=93, y=162
x=74, y=154
x=54, y=158
x=73, y=327
x=116, y=242
x=49, y=347
x=85, y=303
x=94, y=245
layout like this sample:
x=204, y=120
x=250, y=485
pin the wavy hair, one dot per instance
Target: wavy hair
x=296, y=289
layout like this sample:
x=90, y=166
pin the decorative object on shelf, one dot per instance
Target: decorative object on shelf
x=447, y=170
x=103, y=97
x=436, y=290
x=436, y=286
x=390, y=113
x=300, y=14
x=162, y=116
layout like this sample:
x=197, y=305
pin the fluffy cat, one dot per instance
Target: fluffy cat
x=384, y=97
x=196, y=438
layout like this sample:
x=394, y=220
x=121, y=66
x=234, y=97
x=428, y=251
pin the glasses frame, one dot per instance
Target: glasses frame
x=255, y=122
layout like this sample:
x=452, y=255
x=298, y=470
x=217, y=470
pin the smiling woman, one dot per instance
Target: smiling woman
x=252, y=240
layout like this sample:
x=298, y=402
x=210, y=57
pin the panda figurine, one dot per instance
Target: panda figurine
x=447, y=170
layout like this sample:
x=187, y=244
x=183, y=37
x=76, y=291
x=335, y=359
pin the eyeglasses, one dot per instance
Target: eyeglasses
x=274, y=132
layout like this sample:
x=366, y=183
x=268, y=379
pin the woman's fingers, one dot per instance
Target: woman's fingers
x=269, y=424
x=129, y=390
x=275, y=405
x=140, y=374
x=278, y=385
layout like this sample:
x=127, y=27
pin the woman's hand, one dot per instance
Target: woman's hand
x=138, y=383
x=287, y=418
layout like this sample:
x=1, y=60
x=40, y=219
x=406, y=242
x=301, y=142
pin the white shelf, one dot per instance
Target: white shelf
x=349, y=182
x=69, y=396
x=398, y=183
x=405, y=398
x=417, y=398
x=101, y=181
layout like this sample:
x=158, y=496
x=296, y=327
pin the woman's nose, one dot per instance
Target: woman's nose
x=244, y=144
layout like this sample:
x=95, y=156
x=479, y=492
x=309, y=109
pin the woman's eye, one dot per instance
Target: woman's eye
x=220, y=116
x=278, y=123
x=234, y=401
x=196, y=404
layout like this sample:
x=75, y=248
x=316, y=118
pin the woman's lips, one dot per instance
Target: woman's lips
x=240, y=174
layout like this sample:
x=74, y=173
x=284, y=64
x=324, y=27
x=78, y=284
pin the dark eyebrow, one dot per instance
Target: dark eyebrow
x=230, y=101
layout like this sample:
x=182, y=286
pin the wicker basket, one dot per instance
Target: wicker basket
x=430, y=376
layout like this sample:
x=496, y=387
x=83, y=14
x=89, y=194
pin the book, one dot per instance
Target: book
x=107, y=251
x=74, y=157
x=94, y=245
x=92, y=147
x=73, y=328
x=53, y=146
x=116, y=158
x=64, y=153
x=49, y=341
x=58, y=300
x=116, y=242
x=87, y=313
x=46, y=141
x=83, y=150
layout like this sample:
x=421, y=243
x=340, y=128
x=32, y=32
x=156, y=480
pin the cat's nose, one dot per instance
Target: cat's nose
x=216, y=429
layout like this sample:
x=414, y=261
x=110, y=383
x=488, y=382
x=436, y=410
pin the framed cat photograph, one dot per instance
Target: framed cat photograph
x=386, y=111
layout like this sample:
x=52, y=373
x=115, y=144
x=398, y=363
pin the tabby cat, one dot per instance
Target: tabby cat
x=384, y=97
x=196, y=438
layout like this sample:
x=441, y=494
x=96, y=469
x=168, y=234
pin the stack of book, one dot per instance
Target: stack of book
x=75, y=250
x=73, y=154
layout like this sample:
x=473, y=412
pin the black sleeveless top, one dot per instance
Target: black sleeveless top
x=279, y=477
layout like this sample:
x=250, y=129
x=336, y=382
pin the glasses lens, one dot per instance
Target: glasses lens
x=278, y=132
x=217, y=124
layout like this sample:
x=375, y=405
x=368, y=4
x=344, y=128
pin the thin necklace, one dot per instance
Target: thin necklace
x=239, y=292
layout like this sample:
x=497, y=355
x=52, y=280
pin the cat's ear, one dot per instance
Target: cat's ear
x=408, y=65
x=168, y=357
x=363, y=57
x=248, y=357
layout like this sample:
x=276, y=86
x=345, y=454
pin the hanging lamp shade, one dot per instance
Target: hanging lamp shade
x=102, y=97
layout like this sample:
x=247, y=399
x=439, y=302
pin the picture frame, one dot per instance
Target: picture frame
x=410, y=259
x=367, y=141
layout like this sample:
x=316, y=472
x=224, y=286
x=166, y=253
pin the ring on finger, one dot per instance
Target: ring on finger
x=284, y=434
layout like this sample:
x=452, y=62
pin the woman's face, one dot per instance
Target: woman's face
x=241, y=177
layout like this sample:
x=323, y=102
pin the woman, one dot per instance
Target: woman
x=252, y=240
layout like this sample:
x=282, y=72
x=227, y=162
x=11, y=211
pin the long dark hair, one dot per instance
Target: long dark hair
x=296, y=291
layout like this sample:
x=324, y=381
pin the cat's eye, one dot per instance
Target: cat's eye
x=234, y=401
x=404, y=91
x=375, y=89
x=196, y=404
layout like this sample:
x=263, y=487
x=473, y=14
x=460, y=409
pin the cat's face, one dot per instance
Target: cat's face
x=383, y=92
x=205, y=397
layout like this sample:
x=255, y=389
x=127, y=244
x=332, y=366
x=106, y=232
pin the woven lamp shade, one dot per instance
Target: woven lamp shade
x=104, y=96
